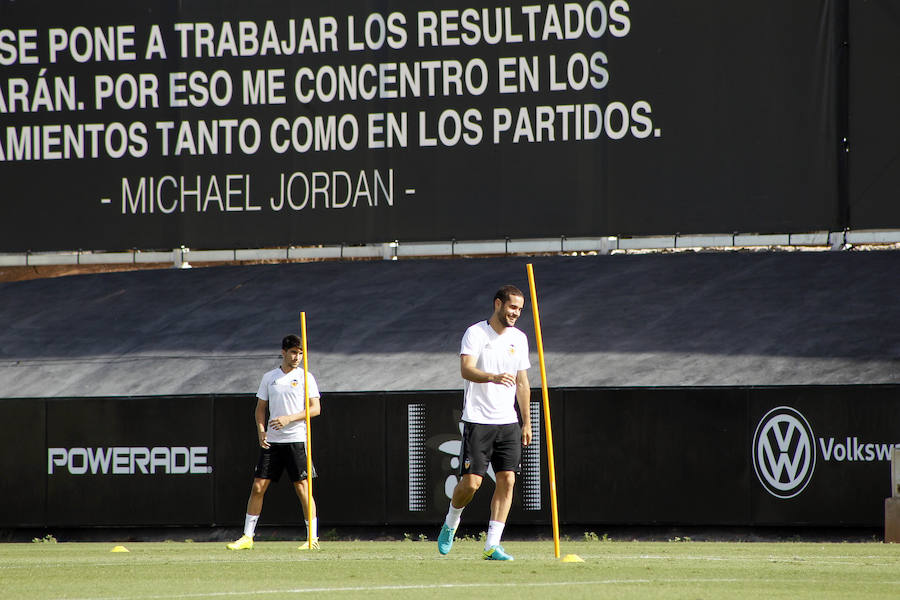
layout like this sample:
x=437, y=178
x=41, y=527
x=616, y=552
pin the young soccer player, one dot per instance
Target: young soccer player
x=282, y=440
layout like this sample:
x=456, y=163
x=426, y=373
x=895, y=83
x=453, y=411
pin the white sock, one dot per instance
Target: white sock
x=495, y=530
x=312, y=531
x=453, y=516
x=250, y=524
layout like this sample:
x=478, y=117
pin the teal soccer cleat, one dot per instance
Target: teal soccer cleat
x=445, y=539
x=496, y=553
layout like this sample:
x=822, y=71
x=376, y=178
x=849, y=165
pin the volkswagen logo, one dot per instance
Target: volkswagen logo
x=784, y=456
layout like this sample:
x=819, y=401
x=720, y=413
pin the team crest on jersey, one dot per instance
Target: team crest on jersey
x=512, y=349
x=468, y=463
x=295, y=383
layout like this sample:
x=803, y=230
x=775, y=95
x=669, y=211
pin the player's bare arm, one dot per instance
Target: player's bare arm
x=470, y=372
x=523, y=396
x=285, y=420
x=260, y=415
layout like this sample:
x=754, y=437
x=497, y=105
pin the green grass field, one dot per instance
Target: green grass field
x=413, y=569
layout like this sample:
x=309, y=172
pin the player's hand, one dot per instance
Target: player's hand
x=526, y=434
x=507, y=379
x=263, y=442
x=279, y=422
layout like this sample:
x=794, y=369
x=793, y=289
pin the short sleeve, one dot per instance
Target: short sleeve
x=312, y=386
x=263, y=392
x=471, y=342
x=524, y=362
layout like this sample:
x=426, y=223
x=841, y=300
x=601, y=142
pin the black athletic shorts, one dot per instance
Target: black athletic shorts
x=278, y=457
x=497, y=445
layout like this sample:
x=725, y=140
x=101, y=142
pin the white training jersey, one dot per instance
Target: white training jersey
x=491, y=403
x=284, y=393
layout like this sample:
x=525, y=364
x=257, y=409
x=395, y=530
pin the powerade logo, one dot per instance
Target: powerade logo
x=160, y=460
x=784, y=453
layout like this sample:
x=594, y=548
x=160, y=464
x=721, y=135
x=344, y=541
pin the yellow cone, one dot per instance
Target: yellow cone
x=119, y=549
x=572, y=558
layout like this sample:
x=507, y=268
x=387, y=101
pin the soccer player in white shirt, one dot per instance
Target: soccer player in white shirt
x=494, y=364
x=282, y=440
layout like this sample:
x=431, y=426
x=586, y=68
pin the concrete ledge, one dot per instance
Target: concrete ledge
x=601, y=244
x=316, y=252
x=534, y=245
x=483, y=247
x=646, y=243
x=425, y=249
x=704, y=241
x=367, y=251
x=106, y=258
x=816, y=238
x=209, y=255
x=266, y=254
x=873, y=237
x=762, y=240
x=835, y=240
x=13, y=260
x=52, y=259
x=153, y=257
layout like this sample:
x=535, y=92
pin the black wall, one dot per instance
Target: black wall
x=874, y=91
x=718, y=117
x=688, y=456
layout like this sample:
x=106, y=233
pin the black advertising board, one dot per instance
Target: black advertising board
x=215, y=124
x=236, y=453
x=382, y=459
x=822, y=455
x=655, y=456
x=765, y=456
x=349, y=449
x=22, y=454
x=422, y=466
x=780, y=456
x=348, y=441
x=131, y=461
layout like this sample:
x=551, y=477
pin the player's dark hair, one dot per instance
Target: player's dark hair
x=291, y=341
x=506, y=291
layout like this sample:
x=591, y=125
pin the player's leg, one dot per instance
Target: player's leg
x=501, y=502
x=474, y=458
x=506, y=460
x=463, y=493
x=268, y=468
x=257, y=495
x=254, y=509
x=308, y=503
x=296, y=467
x=465, y=490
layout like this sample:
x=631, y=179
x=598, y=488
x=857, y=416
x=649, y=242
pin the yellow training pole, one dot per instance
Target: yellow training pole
x=546, y=398
x=309, y=516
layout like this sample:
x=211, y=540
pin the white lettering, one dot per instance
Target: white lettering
x=851, y=450
x=123, y=460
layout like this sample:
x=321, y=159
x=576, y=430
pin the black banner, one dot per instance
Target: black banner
x=23, y=454
x=133, y=461
x=780, y=456
x=873, y=117
x=655, y=456
x=822, y=455
x=219, y=123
